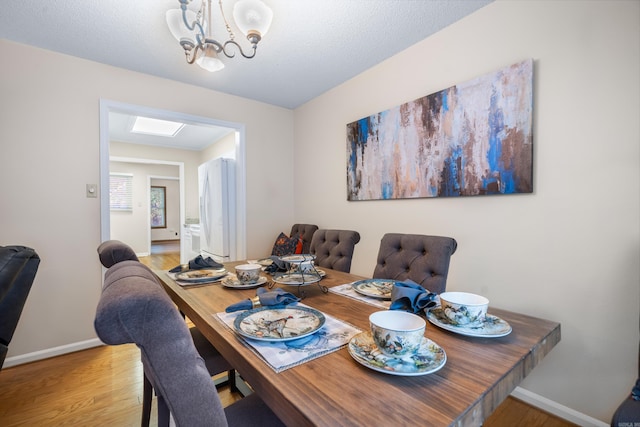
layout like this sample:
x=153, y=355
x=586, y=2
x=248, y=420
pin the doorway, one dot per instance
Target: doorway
x=107, y=107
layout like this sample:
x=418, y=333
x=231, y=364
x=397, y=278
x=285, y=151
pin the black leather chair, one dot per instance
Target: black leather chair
x=18, y=268
x=423, y=259
x=112, y=252
x=134, y=308
x=306, y=231
x=334, y=248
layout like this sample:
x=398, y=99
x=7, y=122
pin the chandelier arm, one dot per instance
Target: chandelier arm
x=191, y=54
x=233, y=42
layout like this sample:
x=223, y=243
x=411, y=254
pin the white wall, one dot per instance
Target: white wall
x=569, y=252
x=49, y=139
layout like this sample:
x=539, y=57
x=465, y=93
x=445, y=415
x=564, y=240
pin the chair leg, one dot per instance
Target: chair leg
x=163, y=412
x=147, y=395
x=231, y=375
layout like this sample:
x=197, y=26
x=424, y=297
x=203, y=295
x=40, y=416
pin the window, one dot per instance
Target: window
x=121, y=191
x=158, y=207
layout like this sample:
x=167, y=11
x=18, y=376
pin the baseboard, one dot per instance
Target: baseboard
x=51, y=352
x=556, y=409
x=141, y=254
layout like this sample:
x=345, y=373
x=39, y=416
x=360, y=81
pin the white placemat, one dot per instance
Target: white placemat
x=348, y=291
x=280, y=356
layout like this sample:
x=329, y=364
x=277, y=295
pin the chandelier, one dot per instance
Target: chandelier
x=194, y=31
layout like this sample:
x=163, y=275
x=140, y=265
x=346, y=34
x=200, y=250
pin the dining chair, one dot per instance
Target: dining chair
x=134, y=308
x=306, y=232
x=423, y=259
x=334, y=248
x=112, y=252
x=18, y=268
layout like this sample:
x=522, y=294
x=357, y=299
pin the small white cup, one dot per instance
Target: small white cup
x=248, y=274
x=463, y=308
x=397, y=333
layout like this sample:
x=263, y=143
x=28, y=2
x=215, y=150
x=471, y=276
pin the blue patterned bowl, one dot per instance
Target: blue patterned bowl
x=397, y=333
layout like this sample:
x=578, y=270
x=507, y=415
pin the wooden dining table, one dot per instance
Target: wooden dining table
x=334, y=389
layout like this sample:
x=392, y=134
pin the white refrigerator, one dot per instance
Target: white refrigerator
x=216, y=186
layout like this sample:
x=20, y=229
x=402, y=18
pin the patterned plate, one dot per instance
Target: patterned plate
x=492, y=327
x=201, y=276
x=233, y=283
x=297, y=279
x=278, y=324
x=374, y=288
x=429, y=358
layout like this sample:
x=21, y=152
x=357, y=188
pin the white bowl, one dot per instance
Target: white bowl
x=397, y=333
x=248, y=273
x=463, y=308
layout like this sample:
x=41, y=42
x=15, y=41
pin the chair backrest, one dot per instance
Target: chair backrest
x=18, y=268
x=306, y=231
x=134, y=308
x=423, y=259
x=112, y=252
x=334, y=248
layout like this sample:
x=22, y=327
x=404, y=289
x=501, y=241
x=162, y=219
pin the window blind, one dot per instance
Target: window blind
x=121, y=191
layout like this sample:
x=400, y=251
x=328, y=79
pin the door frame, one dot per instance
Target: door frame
x=107, y=106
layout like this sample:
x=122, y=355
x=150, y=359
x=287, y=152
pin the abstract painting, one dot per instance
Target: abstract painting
x=471, y=139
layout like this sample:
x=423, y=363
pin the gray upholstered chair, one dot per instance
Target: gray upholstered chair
x=112, y=252
x=306, y=231
x=423, y=259
x=134, y=308
x=334, y=248
x=18, y=268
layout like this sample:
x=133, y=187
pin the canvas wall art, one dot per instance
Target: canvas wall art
x=472, y=139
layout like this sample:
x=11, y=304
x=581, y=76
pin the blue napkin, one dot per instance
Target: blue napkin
x=409, y=296
x=274, y=298
x=277, y=266
x=198, y=263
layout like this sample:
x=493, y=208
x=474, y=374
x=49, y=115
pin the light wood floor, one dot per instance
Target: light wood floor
x=103, y=386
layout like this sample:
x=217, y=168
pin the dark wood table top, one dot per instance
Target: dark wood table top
x=336, y=390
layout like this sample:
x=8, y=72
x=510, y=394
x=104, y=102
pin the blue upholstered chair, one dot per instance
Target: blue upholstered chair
x=423, y=259
x=134, y=308
x=334, y=248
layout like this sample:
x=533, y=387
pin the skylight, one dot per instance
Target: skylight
x=148, y=126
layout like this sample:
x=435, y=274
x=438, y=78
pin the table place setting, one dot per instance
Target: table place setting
x=466, y=314
x=198, y=271
x=396, y=345
x=347, y=290
x=284, y=332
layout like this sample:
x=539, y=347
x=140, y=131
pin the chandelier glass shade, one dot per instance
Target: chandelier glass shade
x=194, y=31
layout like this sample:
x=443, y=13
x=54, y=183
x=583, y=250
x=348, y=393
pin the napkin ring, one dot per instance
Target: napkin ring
x=255, y=302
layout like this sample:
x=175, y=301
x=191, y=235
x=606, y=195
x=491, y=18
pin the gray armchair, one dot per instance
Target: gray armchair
x=134, y=308
x=18, y=268
x=112, y=252
x=306, y=231
x=334, y=248
x=423, y=259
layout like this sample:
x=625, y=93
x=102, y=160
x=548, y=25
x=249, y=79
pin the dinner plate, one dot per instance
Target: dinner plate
x=233, y=283
x=374, y=288
x=492, y=327
x=298, y=258
x=278, y=324
x=428, y=359
x=265, y=262
x=201, y=276
x=296, y=279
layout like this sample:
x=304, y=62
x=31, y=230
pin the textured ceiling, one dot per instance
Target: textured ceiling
x=312, y=46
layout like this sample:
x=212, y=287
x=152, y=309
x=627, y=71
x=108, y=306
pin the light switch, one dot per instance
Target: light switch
x=92, y=190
